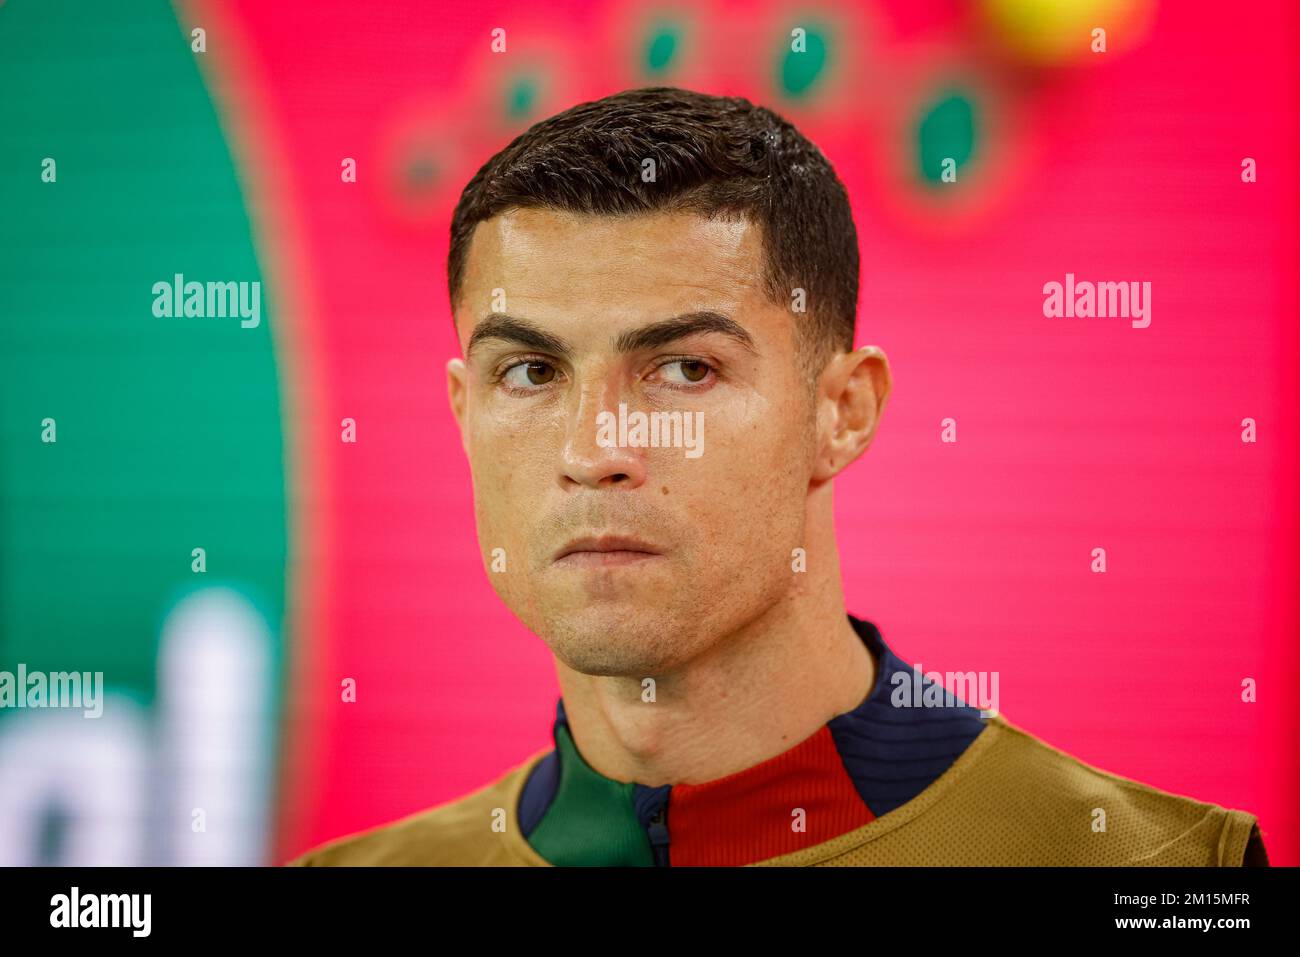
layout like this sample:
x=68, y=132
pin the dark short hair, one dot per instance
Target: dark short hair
x=714, y=155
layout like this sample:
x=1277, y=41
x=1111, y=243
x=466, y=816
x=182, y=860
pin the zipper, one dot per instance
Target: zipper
x=657, y=831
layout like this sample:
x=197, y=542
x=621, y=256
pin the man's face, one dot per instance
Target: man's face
x=714, y=532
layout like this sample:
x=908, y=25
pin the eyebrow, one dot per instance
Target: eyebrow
x=661, y=333
x=498, y=325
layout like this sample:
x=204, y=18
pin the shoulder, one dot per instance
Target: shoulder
x=1013, y=800
x=1090, y=816
x=457, y=833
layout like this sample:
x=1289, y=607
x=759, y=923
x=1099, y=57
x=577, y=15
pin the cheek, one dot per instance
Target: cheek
x=513, y=461
x=748, y=490
x=507, y=446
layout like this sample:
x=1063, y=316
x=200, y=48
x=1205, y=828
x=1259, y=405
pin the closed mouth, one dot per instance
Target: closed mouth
x=606, y=550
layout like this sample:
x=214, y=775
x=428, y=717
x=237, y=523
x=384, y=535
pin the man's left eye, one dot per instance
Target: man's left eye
x=690, y=371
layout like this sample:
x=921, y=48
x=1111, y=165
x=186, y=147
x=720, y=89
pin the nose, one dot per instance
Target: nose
x=585, y=461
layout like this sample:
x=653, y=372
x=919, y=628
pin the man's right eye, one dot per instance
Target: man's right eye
x=530, y=374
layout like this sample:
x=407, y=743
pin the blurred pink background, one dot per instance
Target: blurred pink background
x=1073, y=433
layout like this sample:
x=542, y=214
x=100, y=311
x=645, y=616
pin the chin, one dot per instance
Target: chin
x=623, y=639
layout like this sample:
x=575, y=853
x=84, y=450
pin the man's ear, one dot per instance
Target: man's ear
x=457, y=388
x=851, y=397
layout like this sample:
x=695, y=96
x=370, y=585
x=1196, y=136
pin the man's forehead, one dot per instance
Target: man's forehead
x=546, y=255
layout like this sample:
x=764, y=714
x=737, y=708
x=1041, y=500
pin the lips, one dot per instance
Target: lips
x=606, y=550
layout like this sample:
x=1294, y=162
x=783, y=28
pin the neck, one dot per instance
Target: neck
x=757, y=692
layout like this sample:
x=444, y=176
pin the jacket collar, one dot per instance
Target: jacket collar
x=857, y=767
